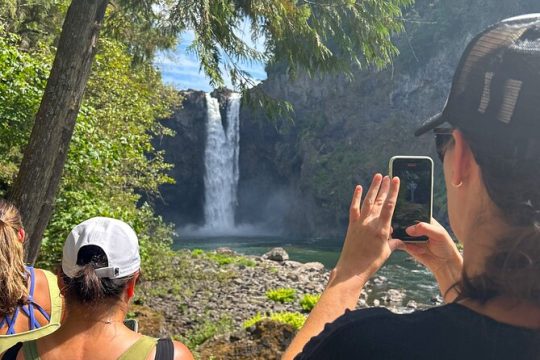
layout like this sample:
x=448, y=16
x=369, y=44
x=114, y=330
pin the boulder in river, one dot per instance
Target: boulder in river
x=276, y=254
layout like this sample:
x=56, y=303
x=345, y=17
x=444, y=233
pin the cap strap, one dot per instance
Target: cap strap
x=108, y=272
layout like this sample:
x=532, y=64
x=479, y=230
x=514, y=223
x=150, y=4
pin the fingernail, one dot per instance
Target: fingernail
x=410, y=229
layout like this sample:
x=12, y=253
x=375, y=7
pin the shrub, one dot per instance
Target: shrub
x=295, y=319
x=204, y=331
x=224, y=259
x=197, y=252
x=246, y=261
x=309, y=301
x=253, y=320
x=282, y=295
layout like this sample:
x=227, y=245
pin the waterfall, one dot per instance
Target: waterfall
x=221, y=164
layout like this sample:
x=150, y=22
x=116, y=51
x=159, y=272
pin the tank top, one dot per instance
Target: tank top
x=138, y=351
x=36, y=330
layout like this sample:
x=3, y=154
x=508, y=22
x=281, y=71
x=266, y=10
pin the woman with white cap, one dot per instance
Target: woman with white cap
x=100, y=268
x=490, y=150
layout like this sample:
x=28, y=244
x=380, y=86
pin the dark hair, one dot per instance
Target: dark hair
x=86, y=287
x=513, y=267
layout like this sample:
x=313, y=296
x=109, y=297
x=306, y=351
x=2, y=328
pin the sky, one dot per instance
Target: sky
x=180, y=69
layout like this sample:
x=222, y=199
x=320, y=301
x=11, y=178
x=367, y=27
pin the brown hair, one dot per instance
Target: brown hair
x=13, y=276
x=513, y=267
x=86, y=287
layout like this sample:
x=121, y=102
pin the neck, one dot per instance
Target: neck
x=480, y=235
x=99, y=316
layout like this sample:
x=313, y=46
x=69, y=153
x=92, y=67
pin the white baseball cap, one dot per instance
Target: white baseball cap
x=117, y=240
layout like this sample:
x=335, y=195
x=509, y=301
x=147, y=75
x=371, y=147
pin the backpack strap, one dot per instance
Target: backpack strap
x=164, y=349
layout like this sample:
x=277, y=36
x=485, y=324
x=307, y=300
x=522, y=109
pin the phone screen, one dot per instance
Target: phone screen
x=415, y=194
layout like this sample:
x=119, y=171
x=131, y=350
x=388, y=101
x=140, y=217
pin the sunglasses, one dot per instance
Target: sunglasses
x=443, y=136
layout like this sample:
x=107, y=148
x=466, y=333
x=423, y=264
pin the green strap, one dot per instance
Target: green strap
x=30, y=352
x=7, y=341
x=140, y=350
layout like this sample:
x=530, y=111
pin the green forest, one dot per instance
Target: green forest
x=112, y=167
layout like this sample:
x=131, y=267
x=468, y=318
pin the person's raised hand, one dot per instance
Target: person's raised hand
x=439, y=254
x=367, y=244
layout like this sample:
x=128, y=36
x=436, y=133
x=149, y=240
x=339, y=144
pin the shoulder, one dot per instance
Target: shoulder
x=369, y=332
x=181, y=352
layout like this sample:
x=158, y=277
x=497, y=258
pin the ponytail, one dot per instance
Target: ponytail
x=13, y=276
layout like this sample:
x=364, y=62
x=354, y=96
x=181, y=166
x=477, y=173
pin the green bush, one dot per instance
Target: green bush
x=253, y=320
x=197, y=252
x=309, y=301
x=224, y=259
x=204, y=331
x=295, y=319
x=246, y=261
x=282, y=295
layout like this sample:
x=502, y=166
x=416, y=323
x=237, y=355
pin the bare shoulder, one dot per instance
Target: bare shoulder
x=181, y=352
x=42, y=291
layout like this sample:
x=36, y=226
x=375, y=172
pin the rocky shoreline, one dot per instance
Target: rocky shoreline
x=211, y=295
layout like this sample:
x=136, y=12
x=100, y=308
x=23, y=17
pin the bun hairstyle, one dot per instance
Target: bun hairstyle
x=513, y=267
x=86, y=287
x=13, y=276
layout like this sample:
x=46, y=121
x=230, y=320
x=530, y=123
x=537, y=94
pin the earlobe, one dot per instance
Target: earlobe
x=130, y=290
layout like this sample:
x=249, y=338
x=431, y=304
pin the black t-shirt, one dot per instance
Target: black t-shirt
x=446, y=332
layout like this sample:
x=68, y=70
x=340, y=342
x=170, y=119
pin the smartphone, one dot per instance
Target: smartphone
x=132, y=324
x=415, y=198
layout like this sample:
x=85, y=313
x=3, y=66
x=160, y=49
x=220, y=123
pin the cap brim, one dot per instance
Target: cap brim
x=430, y=124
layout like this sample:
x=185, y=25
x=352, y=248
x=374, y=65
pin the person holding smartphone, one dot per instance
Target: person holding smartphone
x=488, y=138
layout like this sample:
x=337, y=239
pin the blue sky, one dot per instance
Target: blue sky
x=181, y=69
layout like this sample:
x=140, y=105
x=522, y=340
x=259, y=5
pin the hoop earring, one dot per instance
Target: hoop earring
x=458, y=185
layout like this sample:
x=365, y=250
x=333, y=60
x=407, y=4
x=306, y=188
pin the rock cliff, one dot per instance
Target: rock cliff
x=297, y=177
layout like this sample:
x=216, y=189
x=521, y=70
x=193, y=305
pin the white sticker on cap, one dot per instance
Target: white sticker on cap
x=486, y=94
x=512, y=88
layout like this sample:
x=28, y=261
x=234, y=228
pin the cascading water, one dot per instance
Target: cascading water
x=221, y=165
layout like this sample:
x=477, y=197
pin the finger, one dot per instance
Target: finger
x=354, y=212
x=415, y=249
x=390, y=202
x=371, y=195
x=381, y=196
x=432, y=231
x=396, y=244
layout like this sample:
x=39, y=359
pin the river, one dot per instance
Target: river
x=401, y=271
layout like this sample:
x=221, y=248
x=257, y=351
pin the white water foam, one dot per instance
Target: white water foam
x=221, y=166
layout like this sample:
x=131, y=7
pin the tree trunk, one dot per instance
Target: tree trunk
x=41, y=169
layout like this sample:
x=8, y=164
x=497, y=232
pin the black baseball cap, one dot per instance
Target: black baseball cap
x=496, y=88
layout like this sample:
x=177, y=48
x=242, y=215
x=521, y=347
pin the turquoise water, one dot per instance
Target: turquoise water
x=400, y=270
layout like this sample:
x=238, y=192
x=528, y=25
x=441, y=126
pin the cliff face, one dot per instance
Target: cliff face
x=182, y=202
x=297, y=177
x=344, y=131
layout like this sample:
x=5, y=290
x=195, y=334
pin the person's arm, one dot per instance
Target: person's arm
x=181, y=352
x=440, y=255
x=367, y=246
